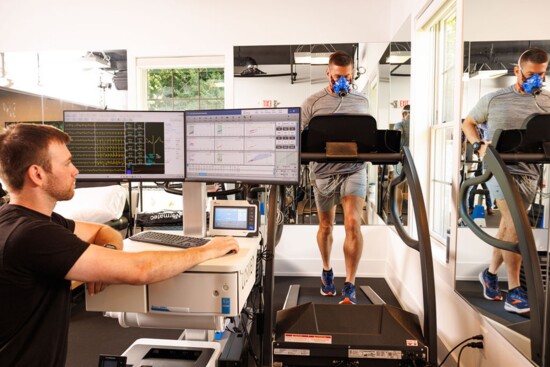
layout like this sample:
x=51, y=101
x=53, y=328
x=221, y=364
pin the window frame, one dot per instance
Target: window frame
x=143, y=64
x=442, y=105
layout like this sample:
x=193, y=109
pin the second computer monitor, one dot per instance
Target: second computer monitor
x=259, y=145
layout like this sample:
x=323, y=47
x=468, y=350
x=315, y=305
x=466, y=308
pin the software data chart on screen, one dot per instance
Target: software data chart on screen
x=127, y=145
x=243, y=145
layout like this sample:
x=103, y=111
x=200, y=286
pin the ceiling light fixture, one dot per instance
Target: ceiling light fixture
x=311, y=57
x=486, y=72
x=320, y=58
x=398, y=57
x=302, y=57
x=93, y=60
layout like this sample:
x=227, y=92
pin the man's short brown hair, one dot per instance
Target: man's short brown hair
x=22, y=145
x=340, y=58
x=535, y=55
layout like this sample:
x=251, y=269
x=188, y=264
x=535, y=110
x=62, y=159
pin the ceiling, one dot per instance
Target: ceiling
x=498, y=52
x=283, y=54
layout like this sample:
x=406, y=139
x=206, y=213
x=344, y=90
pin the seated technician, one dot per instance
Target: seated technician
x=41, y=252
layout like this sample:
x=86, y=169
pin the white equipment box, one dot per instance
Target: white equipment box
x=172, y=353
x=217, y=287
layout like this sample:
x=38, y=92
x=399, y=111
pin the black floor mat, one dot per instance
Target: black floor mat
x=472, y=291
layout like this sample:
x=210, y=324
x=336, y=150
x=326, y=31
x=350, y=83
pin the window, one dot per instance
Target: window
x=444, y=32
x=185, y=89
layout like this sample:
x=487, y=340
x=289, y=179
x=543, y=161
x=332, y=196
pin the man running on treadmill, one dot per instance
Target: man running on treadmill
x=507, y=108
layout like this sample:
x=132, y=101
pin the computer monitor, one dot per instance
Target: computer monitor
x=127, y=145
x=257, y=145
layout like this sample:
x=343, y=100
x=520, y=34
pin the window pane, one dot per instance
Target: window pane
x=441, y=179
x=186, y=104
x=211, y=83
x=185, y=89
x=448, y=69
x=159, y=105
x=159, y=83
x=186, y=83
x=211, y=104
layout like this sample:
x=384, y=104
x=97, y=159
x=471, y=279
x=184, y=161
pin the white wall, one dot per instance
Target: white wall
x=504, y=20
x=250, y=92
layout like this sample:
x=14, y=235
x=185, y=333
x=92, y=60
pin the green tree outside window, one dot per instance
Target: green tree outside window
x=185, y=89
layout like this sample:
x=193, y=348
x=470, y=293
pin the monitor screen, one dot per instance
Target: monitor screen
x=259, y=145
x=127, y=145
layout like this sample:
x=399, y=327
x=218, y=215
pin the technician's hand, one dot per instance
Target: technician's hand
x=221, y=246
x=95, y=287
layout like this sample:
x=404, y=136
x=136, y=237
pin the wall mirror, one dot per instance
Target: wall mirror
x=38, y=86
x=488, y=66
x=285, y=75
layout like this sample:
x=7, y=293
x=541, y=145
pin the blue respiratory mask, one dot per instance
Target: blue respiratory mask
x=533, y=85
x=341, y=86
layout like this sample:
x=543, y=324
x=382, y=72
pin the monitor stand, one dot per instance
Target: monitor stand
x=194, y=209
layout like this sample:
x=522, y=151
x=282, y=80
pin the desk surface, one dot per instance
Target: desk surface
x=227, y=263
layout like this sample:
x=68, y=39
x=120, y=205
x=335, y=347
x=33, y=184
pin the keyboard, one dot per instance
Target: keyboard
x=168, y=239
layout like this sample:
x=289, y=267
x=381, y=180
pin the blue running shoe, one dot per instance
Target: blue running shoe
x=516, y=301
x=327, y=285
x=348, y=294
x=490, y=286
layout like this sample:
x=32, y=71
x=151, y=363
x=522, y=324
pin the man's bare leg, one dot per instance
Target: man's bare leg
x=512, y=260
x=324, y=235
x=353, y=244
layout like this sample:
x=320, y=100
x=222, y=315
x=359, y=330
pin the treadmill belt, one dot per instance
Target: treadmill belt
x=310, y=290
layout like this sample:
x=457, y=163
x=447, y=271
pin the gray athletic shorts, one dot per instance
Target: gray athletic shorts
x=329, y=191
x=527, y=186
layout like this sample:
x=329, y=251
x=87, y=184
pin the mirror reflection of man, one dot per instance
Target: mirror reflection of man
x=404, y=127
x=507, y=108
x=338, y=182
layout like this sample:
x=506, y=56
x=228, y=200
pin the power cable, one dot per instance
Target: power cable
x=475, y=337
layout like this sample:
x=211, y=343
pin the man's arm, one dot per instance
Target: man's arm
x=470, y=131
x=101, y=265
x=98, y=234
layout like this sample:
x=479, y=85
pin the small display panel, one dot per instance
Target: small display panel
x=233, y=218
x=243, y=145
x=127, y=145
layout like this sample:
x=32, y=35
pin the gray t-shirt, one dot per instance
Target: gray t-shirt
x=506, y=109
x=325, y=103
x=403, y=126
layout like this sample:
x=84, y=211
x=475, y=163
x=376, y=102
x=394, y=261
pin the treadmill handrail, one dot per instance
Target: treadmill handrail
x=526, y=246
x=382, y=154
x=422, y=244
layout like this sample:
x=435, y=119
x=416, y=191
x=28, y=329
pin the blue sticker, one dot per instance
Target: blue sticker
x=226, y=305
x=160, y=308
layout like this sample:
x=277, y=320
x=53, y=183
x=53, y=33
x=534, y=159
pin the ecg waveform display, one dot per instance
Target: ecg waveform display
x=117, y=147
x=254, y=145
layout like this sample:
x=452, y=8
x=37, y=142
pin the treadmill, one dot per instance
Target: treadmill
x=382, y=335
x=530, y=144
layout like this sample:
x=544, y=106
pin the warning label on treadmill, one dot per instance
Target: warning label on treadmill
x=375, y=354
x=308, y=338
x=291, y=352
